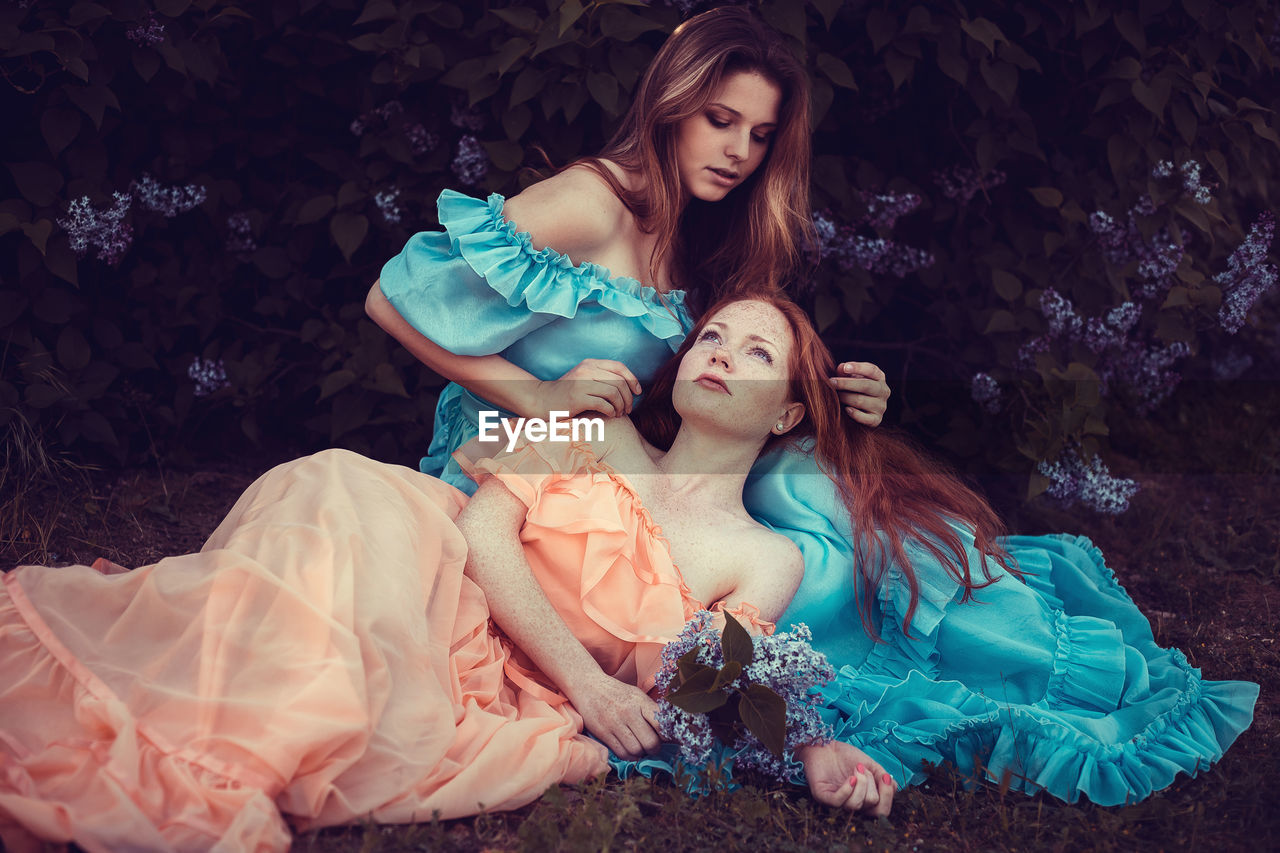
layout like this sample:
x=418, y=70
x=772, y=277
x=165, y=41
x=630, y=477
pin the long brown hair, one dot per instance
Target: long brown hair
x=753, y=239
x=894, y=492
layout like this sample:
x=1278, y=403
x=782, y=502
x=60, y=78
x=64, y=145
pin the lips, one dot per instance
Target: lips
x=727, y=176
x=710, y=379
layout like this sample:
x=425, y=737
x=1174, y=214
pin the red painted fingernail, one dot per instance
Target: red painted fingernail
x=853, y=780
x=862, y=768
x=888, y=780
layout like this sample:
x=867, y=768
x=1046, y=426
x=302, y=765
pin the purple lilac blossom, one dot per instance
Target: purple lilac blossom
x=986, y=392
x=883, y=210
x=963, y=182
x=1073, y=480
x=470, y=163
x=148, y=32
x=1111, y=331
x=785, y=662
x=1157, y=258
x=209, y=376
x=87, y=227
x=1231, y=365
x=240, y=234
x=387, y=206
x=1247, y=275
x=168, y=202
x=1057, y=309
x=466, y=118
x=422, y=140
x=1148, y=371
x=874, y=254
x=1190, y=171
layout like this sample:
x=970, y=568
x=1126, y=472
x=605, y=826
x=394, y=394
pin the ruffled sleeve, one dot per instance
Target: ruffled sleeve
x=479, y=285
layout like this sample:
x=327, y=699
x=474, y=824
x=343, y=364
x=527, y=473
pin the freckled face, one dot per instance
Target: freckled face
x=735, y=376
x=719, y=148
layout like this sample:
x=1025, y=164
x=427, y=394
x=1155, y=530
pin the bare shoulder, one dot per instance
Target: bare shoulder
x=774, y=553
x=574, y=212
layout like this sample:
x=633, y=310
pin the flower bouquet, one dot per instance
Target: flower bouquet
x=753, y=695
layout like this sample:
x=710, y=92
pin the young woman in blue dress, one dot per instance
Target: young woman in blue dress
x=703, y=192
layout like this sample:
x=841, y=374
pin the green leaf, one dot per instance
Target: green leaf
x=764, y=713
x=881, y=27
x=899, y=65
x=1184, y=119
x=983, y=31
x=73, y=349
x=730, y=671
x=1008, y=285
x=519, y=17
x=736, y=643
x=1002, y=77
x=59, y=126
x=1154, y=97
x=527, y=84
x=623, y=25
x=386, y=380
x=952, y=61
x=505, y=154
x=828, y=9
x=376, y=10
x=1047, y=196
x=348, y=231
x=836, y=69
x=570, y=12
x=516, y=120
x=83, y=13
x=316, y=209
x=509, y=53
x=1128, y=25
x=697, y=694
x=604, y=89
x=688, y=665
x=38, y=233
x=38, y=182
x=1001, y=321
x=1261, y=128
x=335, y=382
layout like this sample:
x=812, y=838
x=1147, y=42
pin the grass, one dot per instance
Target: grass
x=1197, y=550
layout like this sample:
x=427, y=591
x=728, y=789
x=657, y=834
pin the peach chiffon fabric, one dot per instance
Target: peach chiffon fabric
x=323, y=657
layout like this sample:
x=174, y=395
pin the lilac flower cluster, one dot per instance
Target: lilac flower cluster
x=1190, y=171
x=883, y=210
x=1147, y=370
x=209, y=375
x=465, y=118
x=470, y=163
x=386, y=200
x=963, y=182
x=420, y=139
x=986, y=392
x=879, y=255
x=240, y=235
x=785, y=662
x=1231, y=365
x=1074, y=480
x=1157, y=258
x=87, y=227
x=148, y=32
x=1247, y=275
x=167, y=201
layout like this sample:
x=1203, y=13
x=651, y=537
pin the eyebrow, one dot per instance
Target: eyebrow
x=751, y=337
x=729, y=109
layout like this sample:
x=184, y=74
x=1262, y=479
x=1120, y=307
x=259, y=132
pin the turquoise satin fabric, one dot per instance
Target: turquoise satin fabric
x=1055, y=682
x=479, y=287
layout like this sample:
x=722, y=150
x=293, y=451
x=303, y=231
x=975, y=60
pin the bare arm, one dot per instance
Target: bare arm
x=621, y=715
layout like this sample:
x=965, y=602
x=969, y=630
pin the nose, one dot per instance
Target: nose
x=737, y=146
x=721, y=354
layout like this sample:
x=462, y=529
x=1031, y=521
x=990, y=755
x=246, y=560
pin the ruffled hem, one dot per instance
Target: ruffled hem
x=897, y=708
x=129, y=787
x=543, y=279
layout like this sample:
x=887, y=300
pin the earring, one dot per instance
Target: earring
x=779, y=427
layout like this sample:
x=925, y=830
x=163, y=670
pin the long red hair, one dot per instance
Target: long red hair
x=894, y=492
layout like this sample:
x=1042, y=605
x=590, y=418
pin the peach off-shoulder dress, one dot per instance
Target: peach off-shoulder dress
x=322, y=659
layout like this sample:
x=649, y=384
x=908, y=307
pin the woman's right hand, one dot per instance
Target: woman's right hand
x=593, y=385
x=621, y=715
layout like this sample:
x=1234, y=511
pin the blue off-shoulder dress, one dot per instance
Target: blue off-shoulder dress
x=1052, y=682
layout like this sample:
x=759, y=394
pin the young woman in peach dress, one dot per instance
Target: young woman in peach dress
x=357, y=640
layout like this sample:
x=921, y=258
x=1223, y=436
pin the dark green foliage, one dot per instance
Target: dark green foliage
x=1073, y=103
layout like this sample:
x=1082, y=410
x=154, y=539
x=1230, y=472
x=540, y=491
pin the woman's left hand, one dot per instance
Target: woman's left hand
x=844, y=776
x=863, y=391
